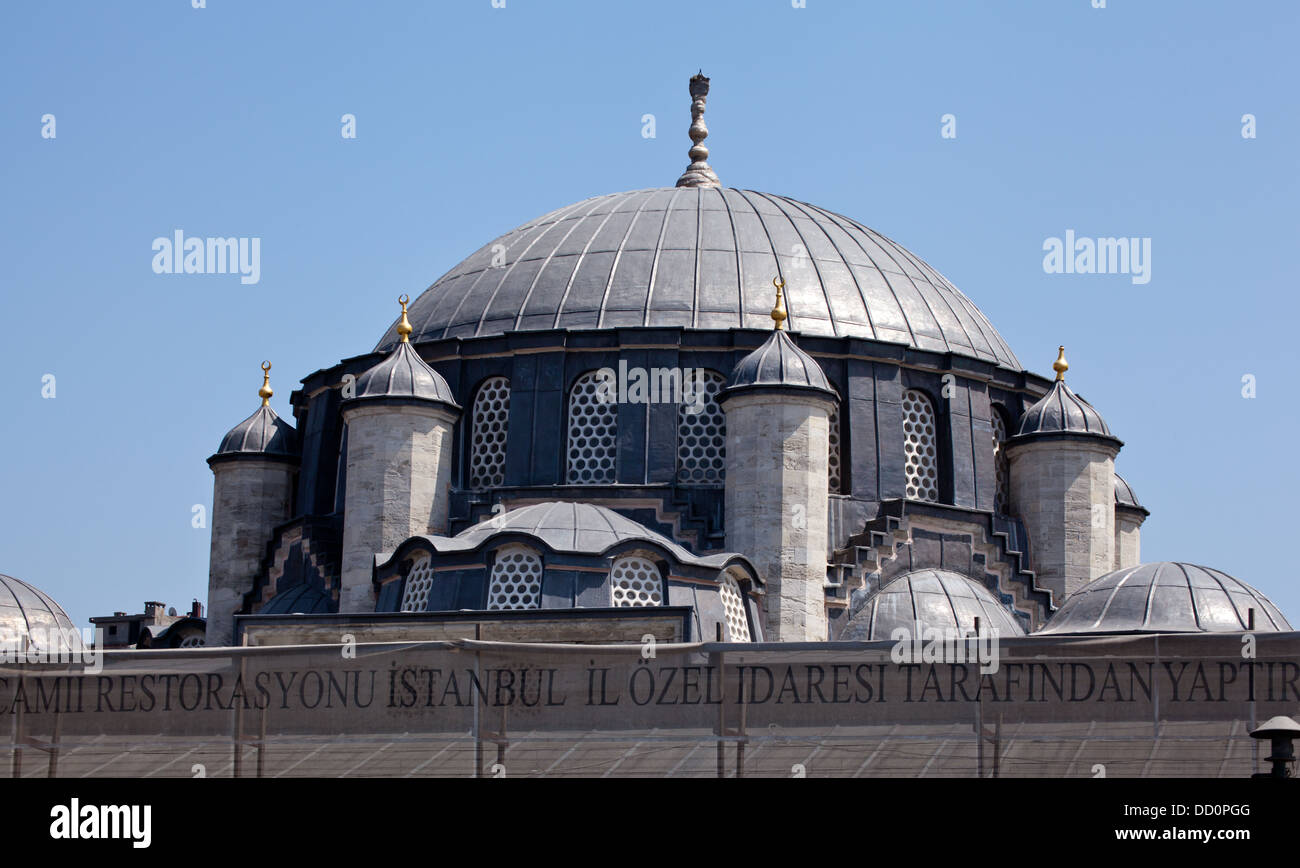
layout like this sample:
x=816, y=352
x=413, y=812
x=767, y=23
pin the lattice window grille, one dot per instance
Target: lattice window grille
x=833, y=458
x=491, y=416
x=920, y=447
x=636, y=581
x=702, y=435
x=1002, y=493
x=193, y=642
x=516, y=579
x=733, y=605
x=419, y=582
x=593, y=432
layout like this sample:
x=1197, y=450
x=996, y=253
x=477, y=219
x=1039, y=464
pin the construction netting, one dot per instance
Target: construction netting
x=1123, y=706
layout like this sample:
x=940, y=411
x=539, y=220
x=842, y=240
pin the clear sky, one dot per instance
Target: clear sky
x=470, y=119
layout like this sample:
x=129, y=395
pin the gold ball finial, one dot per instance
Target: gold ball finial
x=404, y=325
x=265, y=392
x=1060, y=365
x=778, y=312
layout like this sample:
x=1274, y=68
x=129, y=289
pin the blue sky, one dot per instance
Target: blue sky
x=1122, y=121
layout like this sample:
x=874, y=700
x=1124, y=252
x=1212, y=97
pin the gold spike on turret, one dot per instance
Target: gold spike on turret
x=265, y=392
x=404, y=325
x=1060, y=366
x=778, y=312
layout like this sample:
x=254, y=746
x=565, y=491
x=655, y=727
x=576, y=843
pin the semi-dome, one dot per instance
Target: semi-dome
x=702, y=257
x=940, y=600
x=1126, y=497
x=30, y=619
x=576, y=527
x=300, y=599
x=1165, y=597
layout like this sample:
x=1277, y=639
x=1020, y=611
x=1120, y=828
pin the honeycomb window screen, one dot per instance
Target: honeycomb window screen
x=920, y=447
x=834, y=484
x=516, y=579
x=489, y=422
x=1002, y=491
x=702, y=434
x=593, y=432
x=636, y=581
x=419, y=581
x=733, y=606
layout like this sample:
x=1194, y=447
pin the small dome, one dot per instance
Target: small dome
x=1061, y=411
x=939, y=599
x=1126, y=497
x=403, y=375
x=1165, y=598
x=263, y=433
x=779, y=363
x=28, y=619
x=301, y=599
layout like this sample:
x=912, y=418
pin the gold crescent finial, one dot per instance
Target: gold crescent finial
x=265, y=392
x=404, y=325
x=778, y=312
x=1060, y=366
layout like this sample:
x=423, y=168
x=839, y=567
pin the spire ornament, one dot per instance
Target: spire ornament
x=1060, y=366
x=265, y=392
x=404, y=325
x=698, y=173
x=779, y=315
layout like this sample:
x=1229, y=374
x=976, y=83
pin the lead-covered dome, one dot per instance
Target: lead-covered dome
x=702, y=257
x=1165, y=597
x=940, y=600
x=30, y=619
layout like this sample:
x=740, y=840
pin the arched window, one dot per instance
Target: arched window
x=701, y=431
x=834, y=480
x=516, y=579
x=733, y=606
x=1001, y=469
x=635, y=581
x=920, y=446
x=419, y=581
x=593, y=431
x=489, y=421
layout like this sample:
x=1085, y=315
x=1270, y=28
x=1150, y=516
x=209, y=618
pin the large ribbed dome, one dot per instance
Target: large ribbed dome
x=29, y=618
x=702, y=258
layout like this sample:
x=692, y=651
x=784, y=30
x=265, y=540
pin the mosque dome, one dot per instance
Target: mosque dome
x=263, y=433
x=28, y=616
x=1165, y=597
x=403, y=375
x=702, y=258
x=1061, y=411
x=940, y=600
x=779, y=363
x=1126, y=497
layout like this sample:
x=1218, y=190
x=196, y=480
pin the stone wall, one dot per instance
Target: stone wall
x=398, y=477
x=1064, y=492
x=776, y=509
x=250, y=497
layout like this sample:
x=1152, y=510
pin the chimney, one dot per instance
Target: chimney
x=196, y=609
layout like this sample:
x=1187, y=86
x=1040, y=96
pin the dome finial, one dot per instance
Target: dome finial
x=265, y=392
x=404, y=325
x=778, y=312
x=1060, y=366
x=698, y=173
